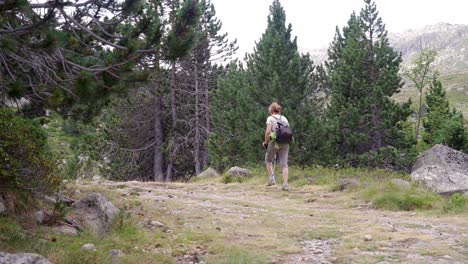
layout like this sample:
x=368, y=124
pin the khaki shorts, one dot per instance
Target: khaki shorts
x=283, y=153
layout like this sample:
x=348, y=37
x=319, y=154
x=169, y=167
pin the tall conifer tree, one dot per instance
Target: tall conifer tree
x=276, y=72
x=363, y=75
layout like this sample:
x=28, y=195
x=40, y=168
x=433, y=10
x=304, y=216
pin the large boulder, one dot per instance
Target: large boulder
x=210, y=172
x=22, y=258
x=94, y=212
x=442, y=169
x=239, y=172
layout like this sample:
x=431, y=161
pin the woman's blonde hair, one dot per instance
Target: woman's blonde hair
x=274, y=108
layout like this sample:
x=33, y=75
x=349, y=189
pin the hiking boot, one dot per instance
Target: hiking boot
x=271, y=181
x=285, y=187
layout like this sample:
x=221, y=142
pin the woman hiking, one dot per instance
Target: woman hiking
x=273, y=148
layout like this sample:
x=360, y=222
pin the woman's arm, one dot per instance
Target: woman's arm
x=267, y=134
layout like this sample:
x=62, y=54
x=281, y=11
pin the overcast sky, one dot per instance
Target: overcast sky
x=314, y=21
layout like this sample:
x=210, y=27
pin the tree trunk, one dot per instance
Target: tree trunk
x=207, y=113
x=170, y=165
x=197, y=121
x=419, y=114
x=158, y=157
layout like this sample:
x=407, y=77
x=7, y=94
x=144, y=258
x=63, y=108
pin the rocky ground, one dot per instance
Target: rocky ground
x=206, y=221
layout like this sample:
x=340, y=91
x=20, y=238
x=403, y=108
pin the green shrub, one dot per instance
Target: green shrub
x=456, y=203
x=25, y=164
x=386, y=158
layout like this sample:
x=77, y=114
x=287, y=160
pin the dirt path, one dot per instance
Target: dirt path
x=307, y=225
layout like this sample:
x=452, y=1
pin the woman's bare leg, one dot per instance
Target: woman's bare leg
x=285, y=173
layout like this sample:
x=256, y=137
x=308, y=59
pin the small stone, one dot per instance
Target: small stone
x=156, y=223
x=96, y=178
x=367, y=238
x=356, y=250
x=77, y=191
x=39, y=217
x=89, y=247
x=65, y=181
x=239, y=172
x=116, y=253
x=447, y=257
x=210, y=172
x=49, y=200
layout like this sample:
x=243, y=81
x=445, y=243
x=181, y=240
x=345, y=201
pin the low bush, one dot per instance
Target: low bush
x=227, y=178
x=456, y=203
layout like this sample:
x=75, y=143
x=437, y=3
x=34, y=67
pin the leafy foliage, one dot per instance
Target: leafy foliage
x=26, y=165
x=456, y=203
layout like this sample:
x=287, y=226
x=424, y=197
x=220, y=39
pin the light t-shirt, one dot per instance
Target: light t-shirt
x=273, y=121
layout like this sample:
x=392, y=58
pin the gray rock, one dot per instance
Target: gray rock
x=48, y=199
x=89, y=247
x=116, y=253
x=367, y=238
x=94, y=212
x=65, y=230
x=23, y=258
x=156, y=224
x=401, y=183
x=57, y=199
x=96, y=178
x=442, y=156
x=442, y=169
x=39, y=217
x=2, y=205
x=239, y=172
x=210, y=172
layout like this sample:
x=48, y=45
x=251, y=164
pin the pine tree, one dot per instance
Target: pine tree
x=443, y=126
x=235, y=138
x=277, y=72
x=363, y=75
x=71, y=56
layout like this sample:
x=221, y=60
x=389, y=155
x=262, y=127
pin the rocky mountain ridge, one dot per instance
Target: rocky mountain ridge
x=450, y=41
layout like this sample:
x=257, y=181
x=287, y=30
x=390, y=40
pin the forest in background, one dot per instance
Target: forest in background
x=147, y=90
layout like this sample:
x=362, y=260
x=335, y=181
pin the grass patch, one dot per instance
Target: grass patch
x=392, y=197
x=126, y=236
x=241, y=256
